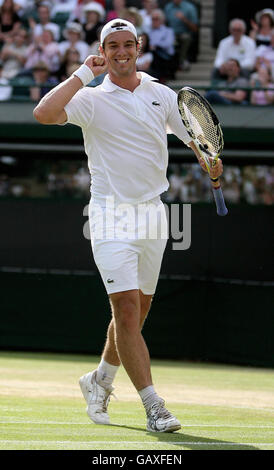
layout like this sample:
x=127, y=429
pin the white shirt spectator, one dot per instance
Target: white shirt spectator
x=38, y=30
x=243, y=52
x=81, y=46
x=145, y=58
x=63, y=6
x=266, y=52
x=146, y=19
x=5, y=89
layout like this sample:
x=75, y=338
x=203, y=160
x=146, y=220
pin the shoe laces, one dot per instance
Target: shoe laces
x=106, y=400
x=158, y=410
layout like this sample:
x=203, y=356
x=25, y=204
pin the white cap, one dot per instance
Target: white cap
x=97, y=7
x=117, y=25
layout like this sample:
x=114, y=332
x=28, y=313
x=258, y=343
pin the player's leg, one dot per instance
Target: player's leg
x=97, y=385
x=110, y=360
x=110, y=354
x=158, y=417
x=129, y=341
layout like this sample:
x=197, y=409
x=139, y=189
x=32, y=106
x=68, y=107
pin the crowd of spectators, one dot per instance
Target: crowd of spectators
x=58, y=34
x=251, y=184
x=243, y=70
x=50, y=39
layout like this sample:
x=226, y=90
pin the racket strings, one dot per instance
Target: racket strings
x=199, y=119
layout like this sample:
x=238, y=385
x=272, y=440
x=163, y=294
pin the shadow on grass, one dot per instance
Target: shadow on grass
x=192, y=442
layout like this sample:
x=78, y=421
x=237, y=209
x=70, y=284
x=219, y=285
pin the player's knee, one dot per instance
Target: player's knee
x=126, y=314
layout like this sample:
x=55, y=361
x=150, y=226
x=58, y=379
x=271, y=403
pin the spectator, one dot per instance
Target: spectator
x=132, y=15
x=9, y=20
x=70, y=58
x=44, y=20
x=145, y=12
x=4, y=185
x=5, y=89
x=94, y=47
x=44, y=49
x=176, y=184
x=63, y=6
x=74, y=38
x=262, y=97
x=162, y=40
x=95, y=15
x=77, y=13
x=265, y=55
x=13, y=54
x=236, y=46
x=234, y=82
x=20, y=6
x=262, y=26
x=145, y=57
x=118, y=6
x=42, y=78
x=81, y=182
x=182, y=17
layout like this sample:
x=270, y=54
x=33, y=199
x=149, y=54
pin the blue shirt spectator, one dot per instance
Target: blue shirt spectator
x=182, y=16
x=160, y=35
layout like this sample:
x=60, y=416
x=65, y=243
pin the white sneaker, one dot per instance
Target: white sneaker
x=159, y=419
x=97, y=398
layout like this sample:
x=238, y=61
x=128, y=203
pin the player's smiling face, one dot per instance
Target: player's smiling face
x=121, y=50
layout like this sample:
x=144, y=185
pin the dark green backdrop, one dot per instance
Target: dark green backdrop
x=189, y=319
x=214, y=302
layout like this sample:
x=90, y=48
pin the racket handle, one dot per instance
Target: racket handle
x=220, y=202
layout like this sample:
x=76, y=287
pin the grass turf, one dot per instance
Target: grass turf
x=220, y=407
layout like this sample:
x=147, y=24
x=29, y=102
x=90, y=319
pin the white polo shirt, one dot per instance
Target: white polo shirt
x=244, y=52
x=125, y=137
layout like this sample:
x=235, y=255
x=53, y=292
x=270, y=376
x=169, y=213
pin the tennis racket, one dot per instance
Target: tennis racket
x=205, y=130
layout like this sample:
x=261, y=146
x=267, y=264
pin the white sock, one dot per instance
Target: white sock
x=148, y=396
x=105, y=373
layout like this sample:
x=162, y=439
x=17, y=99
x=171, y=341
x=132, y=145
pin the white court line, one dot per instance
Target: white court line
x=94, y=443
x=190, y=403
x=69, y=423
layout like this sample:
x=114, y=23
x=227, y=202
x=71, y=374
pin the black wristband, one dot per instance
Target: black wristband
x=214, y=179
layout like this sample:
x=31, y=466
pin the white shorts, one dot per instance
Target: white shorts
x=128, y=243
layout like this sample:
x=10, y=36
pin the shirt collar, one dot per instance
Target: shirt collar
x=240, y=42
x=109, y=86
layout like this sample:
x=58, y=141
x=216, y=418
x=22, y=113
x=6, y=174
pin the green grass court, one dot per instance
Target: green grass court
x=221, y=407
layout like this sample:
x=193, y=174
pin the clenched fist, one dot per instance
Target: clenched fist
x=97, y=64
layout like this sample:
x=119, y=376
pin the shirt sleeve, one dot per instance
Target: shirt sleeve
x=249, y=60
x=220, y=55
x=80, y=108
x=193, y=14
x=174, y=122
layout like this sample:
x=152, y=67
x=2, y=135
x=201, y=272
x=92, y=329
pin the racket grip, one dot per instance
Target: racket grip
x=219, y=200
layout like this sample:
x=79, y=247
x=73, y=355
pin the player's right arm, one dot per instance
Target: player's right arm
x=50, y=110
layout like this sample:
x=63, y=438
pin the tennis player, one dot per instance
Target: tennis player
x=124, y=123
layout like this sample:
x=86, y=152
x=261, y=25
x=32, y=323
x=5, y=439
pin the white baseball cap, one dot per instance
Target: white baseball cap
x=117, y=25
